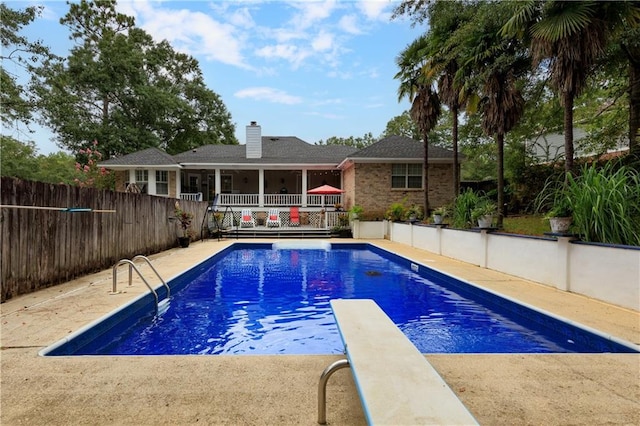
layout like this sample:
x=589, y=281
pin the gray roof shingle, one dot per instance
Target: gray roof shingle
x=283, y=150
x=275, y=149
x=400, y=147
x=146, y=157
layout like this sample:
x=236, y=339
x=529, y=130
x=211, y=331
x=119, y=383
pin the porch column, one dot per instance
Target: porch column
x=218, y=183
x=304, y=188
x=261, y=188
x=178, y=183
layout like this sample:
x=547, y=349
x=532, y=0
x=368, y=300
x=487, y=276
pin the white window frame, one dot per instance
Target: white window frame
x=162, y=184
x=409, y=170
x=143, y=183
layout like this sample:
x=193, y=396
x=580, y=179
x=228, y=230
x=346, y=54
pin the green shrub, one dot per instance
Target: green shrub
x=343, y=220
x=397, y=211
x=606, y=204
x=554, y=200
x=462, y=208
x=416, y=211
x=484, y=207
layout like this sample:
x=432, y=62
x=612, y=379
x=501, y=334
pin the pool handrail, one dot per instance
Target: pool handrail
x=146, y=259
x=132, y=266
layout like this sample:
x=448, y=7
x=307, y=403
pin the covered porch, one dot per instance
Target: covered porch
x=261, y=188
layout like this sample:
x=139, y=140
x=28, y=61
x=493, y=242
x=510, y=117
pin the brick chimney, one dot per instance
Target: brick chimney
x=254, y=141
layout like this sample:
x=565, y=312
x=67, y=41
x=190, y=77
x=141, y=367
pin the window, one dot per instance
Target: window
x=142, y=180
x=194, y=184
x=227, y=184
x=406, y=176
x=162, y=182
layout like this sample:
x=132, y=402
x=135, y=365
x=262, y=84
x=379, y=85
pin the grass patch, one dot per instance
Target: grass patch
x=526, y=225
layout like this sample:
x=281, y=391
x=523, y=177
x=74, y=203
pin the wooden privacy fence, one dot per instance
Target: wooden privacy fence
x=44, y=247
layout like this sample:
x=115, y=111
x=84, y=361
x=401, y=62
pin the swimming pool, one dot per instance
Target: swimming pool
x=253, y=299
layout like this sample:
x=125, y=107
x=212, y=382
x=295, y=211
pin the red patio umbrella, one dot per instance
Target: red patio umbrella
x=325, y=190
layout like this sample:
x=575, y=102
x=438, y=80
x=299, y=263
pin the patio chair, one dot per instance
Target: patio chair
x=294, y=216
x=273, y=218
x=246, y=220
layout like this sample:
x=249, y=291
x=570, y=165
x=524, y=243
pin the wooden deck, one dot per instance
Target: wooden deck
x=275, y=232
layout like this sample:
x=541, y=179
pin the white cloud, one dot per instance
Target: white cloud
x=268, y=94
x=323, y=42
x=374, y=10
x=288, y=52
x=371, y=73
x=284, y=35
x=344, y=75
x=236, y=33
x=349, y=24
x=334, y=101
x=48, y=13
x=312, y=12
x=242, y=18
x=193, y=32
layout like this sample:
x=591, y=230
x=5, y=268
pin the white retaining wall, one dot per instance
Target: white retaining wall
x=368, y=230
x=607, y=273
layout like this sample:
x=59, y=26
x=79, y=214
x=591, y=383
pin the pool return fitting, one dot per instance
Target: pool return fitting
x=132, y=266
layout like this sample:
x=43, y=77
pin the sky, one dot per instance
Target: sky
x=311, y=69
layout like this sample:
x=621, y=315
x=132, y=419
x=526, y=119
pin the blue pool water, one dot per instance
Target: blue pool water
x=252, y=299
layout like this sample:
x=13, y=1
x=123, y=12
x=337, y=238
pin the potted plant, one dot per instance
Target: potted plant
x=184, y=220
x=414, y=213
x=396, y=212
x=355, y=211
x=561, y=215
x=342, y=229
x=439, y=214
x=483, y=212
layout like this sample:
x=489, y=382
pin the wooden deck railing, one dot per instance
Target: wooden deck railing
x=270, y=200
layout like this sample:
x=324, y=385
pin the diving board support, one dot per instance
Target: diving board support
x=322, y=388
x=395, y=382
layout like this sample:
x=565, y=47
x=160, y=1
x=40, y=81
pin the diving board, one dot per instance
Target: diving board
x=395, y=382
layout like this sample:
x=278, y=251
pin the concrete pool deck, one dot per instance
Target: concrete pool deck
x=555, y=389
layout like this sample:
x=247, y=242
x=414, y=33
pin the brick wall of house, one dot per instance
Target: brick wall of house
x=122, y=176
x=349, y=187
x=441, y=184
x=172, y=184
x=374, y=193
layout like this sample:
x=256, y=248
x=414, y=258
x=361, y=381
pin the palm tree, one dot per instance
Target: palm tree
x=450, y=92
x=503, y=106
x=494, y=65
x=567, y=37
x=417, y=85
x=445, y=17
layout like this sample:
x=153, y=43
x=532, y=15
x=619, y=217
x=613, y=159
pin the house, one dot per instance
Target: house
x=277, y=171
x=549, y=147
